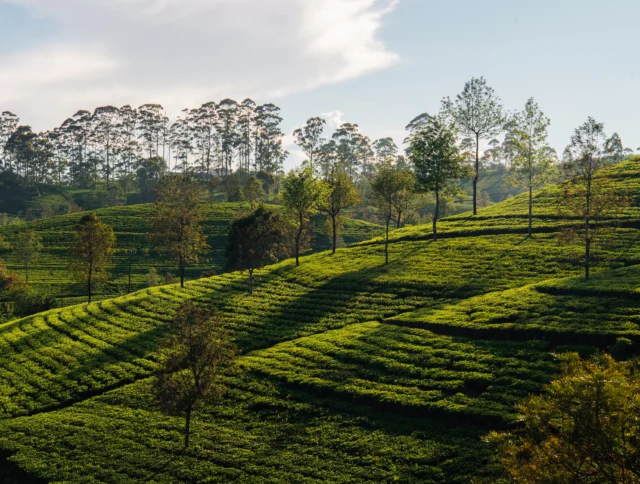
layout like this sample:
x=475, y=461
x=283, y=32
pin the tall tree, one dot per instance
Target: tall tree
x=254, y=241
x=534, y=164
x=385, y=149
x=387, y=186
x=478, y=114
x=8, y=124
x=301, y=193
x=107, y=120
x=437, y=161
x=27, y=247
x=92, y=251
x=339, y=193
x=310, y=139
x=194, y=359
x=175, y=225
x=585, y=195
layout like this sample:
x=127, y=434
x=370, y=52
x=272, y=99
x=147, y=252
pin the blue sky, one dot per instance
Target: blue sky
x=377, y=63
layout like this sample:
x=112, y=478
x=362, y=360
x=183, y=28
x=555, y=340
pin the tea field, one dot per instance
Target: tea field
x=351, y=371
x=130, y=224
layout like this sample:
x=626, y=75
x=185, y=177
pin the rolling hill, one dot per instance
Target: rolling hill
x=130, y=224
x=352, y=371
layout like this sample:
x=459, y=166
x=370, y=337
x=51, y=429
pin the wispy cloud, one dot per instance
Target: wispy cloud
x=184, y=52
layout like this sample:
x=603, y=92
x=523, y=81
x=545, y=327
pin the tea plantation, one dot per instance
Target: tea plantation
x=352, y=371
x=130, y=224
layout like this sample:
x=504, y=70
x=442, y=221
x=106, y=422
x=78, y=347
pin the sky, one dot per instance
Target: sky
x=377, y=63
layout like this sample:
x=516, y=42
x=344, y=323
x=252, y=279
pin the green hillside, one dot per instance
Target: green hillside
x=354, y=372
x=130, y=225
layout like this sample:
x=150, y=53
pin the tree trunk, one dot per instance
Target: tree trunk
x=386, y=244
x=530, y=211
x=250, y=282
x=476, y=175
x=436, y=214
x=335, y=235
x=587, y=251
x=89, y=284
x=182, y=275
x=187, y=428
x=298, y=236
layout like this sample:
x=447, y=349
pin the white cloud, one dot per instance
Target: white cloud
x=185, y=52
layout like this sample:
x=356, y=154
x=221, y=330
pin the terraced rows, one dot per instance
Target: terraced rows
x=574, y=311
x=413, y=371
x=262, y=432
x=130, y=225
x=511, y=216
x=113, y=342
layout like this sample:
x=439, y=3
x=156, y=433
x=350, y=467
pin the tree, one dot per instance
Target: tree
x=584, y=428
x=388, y=185
x=92, y=251
x=253, y=191
x=27, y=247
x=310, y=139
x=585, y=195
x=478, y=114
x=194, y=359
x=406, y=197
x=534, y=164
x=148, y=174
x=254, y=241
x=300, y=194
x=437, y=161
x=175, y=225
x=338, y=194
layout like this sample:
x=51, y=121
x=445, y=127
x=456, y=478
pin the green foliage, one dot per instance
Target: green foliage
x=584, y=428
x=255, y=240
x=300, y=194
x=91, y=252
x=175, y=225
x=193, y=359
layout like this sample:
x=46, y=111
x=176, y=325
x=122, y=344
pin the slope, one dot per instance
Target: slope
x=130, y=224
x=354, y=372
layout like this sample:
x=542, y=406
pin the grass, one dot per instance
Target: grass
x=353, y=371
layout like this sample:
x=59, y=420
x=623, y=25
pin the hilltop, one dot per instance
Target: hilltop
x=130, y=224
x=353, y=371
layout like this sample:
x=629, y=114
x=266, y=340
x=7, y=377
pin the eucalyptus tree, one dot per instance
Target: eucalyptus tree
x=310, y=139
x=346, y=140
x=202, y=122
x=76, y=135
x=8, y=124
x=269, y=150
x=229, y=137
x=246, y=129
x=128, y=148
x=534, y=164
x=385, y=150
x=150, y=125
x=435, y=155
x=22, y=149
x=106, y=133
x=181, y=139
x=478, y=114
